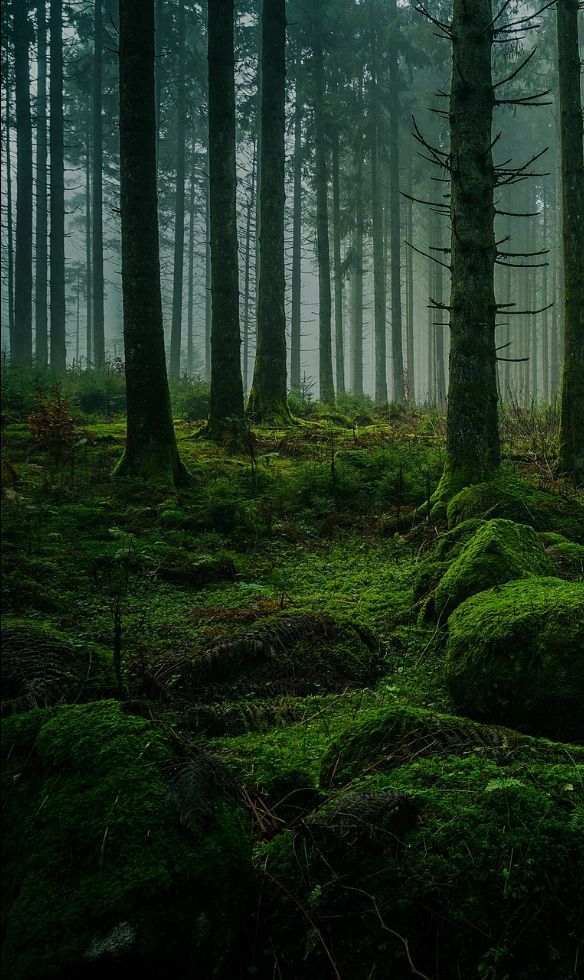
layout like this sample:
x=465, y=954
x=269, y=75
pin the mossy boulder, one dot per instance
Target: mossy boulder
x=568, y=558
x=498, y=552
x=118, y=855
x=293, y=653
x=389, y=737
x=42, y=666
x=515, y=656
x=518, y=500
x=447, y=866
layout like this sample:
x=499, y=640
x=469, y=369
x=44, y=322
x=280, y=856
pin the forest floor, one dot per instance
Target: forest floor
x=260, y=611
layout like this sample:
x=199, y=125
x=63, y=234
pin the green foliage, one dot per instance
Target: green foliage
x=105, y=829
x=498, y=552
x=515, y=655
x=190, y=399
x=456, y=865
x=568, y=558
x=518, y=500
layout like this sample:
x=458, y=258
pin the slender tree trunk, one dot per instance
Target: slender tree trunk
x=472, y=440
x=21, y=353
x=207, y=274
x=179, y=207
x=380, y=327
x=97, y=189
x=410, y=362
x=439, y=318
x=357, y=277
x=337, y=269
x=57, y=189
x=396, y=305
x=545, y=339
x=88, y=257
x=326, y=384
x=41, y=224
x=158, y=48
x=226, y=404
x=10, y=242
x=78, y=316
x=151, y=450
x=247, y=276
x=267, y=399
x=296, y=317
x=571, y=455
x=191, y=270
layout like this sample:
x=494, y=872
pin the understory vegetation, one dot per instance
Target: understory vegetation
x=291, y=720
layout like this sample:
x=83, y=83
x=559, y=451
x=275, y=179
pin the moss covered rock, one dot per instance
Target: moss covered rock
x=42, y=666
x=117, y=855
x=498, y=552
x=515, y=655
x=389, y=737
x=450, y=867
x=568, y=559
x=518, y=500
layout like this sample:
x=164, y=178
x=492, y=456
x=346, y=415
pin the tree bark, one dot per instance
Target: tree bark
x=88, y=258
x=357, y=272
x=151, y=450
x=267, y=399
x=41, y=223
x=472, y=440
x=179, y=207
x=296, y=315
x=21, y=353
x=398, y=393
x=326, y=383
x=58, y=345
x=247, y=272
x=97, y=190
x=410, y=385
x=10, y=239
x=191, y=270
x=571, y=454
x=226, y=403
x=380, y=326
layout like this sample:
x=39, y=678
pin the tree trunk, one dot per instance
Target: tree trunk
x=97, y=190
x=226, y=403
x=41, y=224
x=326, y=384
x=207, y=273
x=179, y=207
x=410, y=386
x=88, y=260
x=21, y=353
x=380, y=326
x=396, y=307
x=247, y=273
x=296, y=317
x=267, y=399
x=10, y=241
x=357, y=276
x=57, y=191
x=545, y=340
x=571, y=456
x=191, y=270
x=337, y=267
x=151, y=450
x=472, y=440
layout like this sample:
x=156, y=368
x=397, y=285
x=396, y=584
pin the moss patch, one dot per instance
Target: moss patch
x=515, y=655
x=107, y=831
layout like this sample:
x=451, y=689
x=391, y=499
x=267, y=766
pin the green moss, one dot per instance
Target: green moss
x=477, y=866
x=386, y=738
x=568, y=558
x=498, y=552
x=518, y=500
x=105, y=829
x=516, y=657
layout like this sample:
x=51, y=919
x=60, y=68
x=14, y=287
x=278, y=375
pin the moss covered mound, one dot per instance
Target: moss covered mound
x=42, y=666
x=389, y=737
x=197, y=573
x=294, y=653
x=452, y=867
x=515, y=656
x=116, y=854
x=568, y=558
x=498, y=552
x=518, y=500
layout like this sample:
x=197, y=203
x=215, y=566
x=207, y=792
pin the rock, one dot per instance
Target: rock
x=515, y=656
x=118, y=855
x=498, y=552
x=568, y=558
x=423, y=868
x=518, y=500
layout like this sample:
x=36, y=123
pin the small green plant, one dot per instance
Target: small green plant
x=53, y=426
